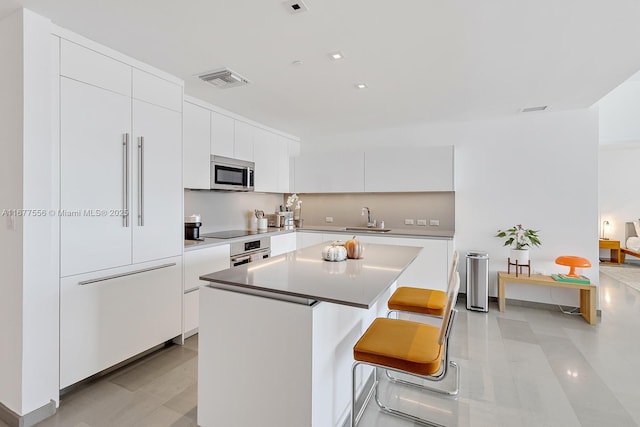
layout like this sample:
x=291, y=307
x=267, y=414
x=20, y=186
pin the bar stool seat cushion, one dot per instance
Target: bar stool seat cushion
x=418, y=300
x=409, y=346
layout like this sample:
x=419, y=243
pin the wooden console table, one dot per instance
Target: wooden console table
x=615, y=254
x=587, y=291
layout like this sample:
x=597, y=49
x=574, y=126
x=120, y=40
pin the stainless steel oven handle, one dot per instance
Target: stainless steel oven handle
x=240, y=258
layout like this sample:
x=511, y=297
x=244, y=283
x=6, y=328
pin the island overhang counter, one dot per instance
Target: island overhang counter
x=276, y=336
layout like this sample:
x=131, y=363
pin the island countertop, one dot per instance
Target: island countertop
x=304, y=275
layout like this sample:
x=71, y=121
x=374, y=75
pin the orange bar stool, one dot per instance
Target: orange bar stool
x=406, y=347
x=428, y=302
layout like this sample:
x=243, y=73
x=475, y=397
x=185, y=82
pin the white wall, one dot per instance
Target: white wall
x=537, y=169
x=29, y=293
x=619, y=169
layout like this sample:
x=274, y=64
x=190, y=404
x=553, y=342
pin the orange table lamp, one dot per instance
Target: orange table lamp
x=573, y=262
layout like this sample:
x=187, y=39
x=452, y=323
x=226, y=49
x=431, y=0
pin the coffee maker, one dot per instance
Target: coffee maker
x=192, y=226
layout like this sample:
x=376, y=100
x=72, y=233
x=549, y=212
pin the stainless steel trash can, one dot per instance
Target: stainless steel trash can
x=478, y=281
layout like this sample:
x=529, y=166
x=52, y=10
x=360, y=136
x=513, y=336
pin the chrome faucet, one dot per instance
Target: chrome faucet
x=369, y=223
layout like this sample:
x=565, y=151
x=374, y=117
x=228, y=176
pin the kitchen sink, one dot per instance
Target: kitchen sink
x=368, y=229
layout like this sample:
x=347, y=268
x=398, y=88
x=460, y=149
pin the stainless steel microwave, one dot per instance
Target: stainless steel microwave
x=231, y=174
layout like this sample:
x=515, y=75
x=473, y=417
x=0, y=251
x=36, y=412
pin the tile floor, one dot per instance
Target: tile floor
x=524, y=367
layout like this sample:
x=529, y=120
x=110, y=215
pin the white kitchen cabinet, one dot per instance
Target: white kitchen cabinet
x=430, y=269
x=88, y=66
x=333, y=172
x=120, y=199
x=283, y=243
x=155, y=90
x=157, y=189
x=93, y=171
x=305, y=239
x=414, y=169
x=267, y=160
x=198, y=262
x=284, y=159
x=243, y=141
x=191, y=312
x=110, y=316
x=196, y=123
x=222, y=135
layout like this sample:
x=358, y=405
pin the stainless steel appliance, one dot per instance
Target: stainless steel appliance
x=250, y=251
x=231, y=174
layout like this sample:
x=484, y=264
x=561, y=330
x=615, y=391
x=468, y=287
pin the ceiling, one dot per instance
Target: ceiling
x=423, y=60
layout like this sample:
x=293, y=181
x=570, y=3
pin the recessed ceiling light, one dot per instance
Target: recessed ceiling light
x=297, y=62
x=296, y=6
x=361, y=86
x=532, y=109
x=336, y=55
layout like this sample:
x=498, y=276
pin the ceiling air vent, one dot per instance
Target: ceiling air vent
x=532, y=109
x=224, y=78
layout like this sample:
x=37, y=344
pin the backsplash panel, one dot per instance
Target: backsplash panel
x=221, y=210
x=393, y=208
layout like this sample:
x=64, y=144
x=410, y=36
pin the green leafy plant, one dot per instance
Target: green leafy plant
x=522, y=237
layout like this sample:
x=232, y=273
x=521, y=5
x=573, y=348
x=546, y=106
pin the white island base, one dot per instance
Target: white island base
x=273, y=363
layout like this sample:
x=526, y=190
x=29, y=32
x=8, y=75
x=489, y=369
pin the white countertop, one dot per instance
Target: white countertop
x=304, y=274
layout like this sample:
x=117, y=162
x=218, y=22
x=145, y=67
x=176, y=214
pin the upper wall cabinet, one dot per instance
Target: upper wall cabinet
x=196, y=130
x=207, y=132
x=414, y=169
x=222, y=135
x=334, y=172
x=243, y=141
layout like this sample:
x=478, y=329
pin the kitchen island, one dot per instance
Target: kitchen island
x=276, y=336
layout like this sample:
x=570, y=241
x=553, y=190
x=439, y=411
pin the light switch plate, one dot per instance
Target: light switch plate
x=422, y=222
x=434, y=222
x=328, y=219
x=408, y=222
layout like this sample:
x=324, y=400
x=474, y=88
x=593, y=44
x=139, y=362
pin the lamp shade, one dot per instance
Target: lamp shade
x=573, y=262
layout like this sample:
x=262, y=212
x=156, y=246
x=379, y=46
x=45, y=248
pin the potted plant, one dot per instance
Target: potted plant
x=523, y=238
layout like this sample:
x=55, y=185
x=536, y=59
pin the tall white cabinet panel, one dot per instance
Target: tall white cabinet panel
x=333, y=172
x=243, y=141
x=267, y=160
x=222, y=135
x=415, y=169
x=283, y=165
x=94, y=172
x=157, y=190
x=157, y=91
x=105, y=322
x=85, y=65
x=196, y=146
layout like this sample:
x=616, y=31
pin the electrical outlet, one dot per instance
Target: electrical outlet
x=328, y=219
x=434, y=222
x=422, y=222
x=408, y=222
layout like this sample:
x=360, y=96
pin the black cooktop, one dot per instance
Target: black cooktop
x=230, y=234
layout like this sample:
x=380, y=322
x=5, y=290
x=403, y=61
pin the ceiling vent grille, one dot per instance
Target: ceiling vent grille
x=224, y=78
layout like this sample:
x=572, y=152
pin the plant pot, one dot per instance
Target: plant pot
x=521, y=256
